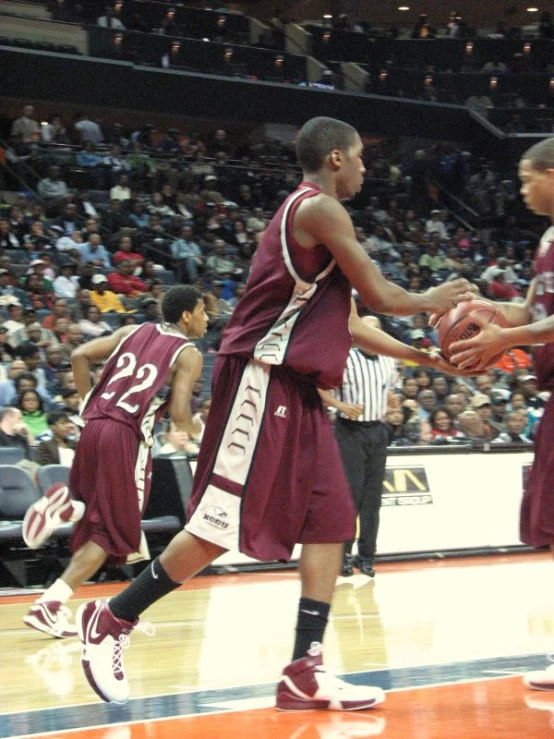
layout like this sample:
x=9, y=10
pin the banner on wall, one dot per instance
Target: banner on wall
x=438, y=502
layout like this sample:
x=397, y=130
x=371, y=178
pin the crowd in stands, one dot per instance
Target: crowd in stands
x=77, y=261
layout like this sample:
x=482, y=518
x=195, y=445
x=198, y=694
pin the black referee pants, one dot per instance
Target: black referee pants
x=363, y=448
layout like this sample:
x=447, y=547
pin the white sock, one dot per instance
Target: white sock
x=59, y=591
x=78, y=510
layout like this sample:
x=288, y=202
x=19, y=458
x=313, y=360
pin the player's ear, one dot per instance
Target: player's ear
x=335, y=158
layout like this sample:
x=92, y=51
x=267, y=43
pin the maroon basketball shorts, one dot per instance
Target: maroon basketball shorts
x=537, y=507
x=111, y=475
x=269, y=473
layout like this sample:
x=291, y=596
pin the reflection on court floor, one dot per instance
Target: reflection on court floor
x=448, y=641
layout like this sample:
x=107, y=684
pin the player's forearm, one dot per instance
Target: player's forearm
x=374, y=341
x=328, y=398
x=541, y=332
x=517, y=314
x=393, y=300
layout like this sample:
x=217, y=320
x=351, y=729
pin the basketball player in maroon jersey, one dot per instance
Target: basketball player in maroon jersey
x=111, y=472
x=531, y=324
x=269, y=472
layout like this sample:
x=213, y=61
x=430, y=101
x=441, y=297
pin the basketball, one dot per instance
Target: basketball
x=458, y=323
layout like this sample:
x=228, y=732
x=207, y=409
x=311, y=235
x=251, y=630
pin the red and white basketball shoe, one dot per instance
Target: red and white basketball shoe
x=540, y=679
x=104, y=636
x=52, y=618
x=44, y=516
x=306, y=685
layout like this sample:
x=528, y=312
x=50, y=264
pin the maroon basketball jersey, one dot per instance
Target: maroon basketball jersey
x=134, y=377
x=543, y=306
x=296, y=306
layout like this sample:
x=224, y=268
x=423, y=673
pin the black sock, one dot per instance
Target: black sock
x=151, y=585
x=312, y=621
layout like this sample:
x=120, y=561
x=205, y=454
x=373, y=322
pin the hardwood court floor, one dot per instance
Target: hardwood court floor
x=448, y=641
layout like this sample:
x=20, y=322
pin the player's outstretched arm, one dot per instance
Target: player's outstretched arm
x=94, y=351
x=323, y=220
x=374, y=341
x=187, y=371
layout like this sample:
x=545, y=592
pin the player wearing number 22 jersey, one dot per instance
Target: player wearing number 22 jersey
x=111, y=472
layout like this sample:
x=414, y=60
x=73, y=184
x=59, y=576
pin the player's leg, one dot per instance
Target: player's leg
x=52, y=510
x=102, y=627
x=49, y=613
x=305, y=684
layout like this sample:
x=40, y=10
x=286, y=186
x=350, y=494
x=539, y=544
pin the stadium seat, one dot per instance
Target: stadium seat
x=50, y=474
x=11, y=454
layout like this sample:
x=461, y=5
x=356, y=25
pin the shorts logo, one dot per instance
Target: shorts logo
x=215, y=515
x=281, y=411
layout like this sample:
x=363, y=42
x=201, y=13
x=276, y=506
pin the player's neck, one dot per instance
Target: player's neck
x=323, y=180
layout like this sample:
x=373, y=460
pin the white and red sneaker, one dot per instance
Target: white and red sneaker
x=52, y=618
x=306, y=685
x=104, y=636
x=540, y=679
x=44, y=516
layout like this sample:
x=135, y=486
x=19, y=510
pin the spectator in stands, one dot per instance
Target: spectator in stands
x=53, y=192
x=513, y=359
x=515, y=425
x=442, y=426
x=66, y=284
x=13, y=432
x=25, y=131
x=104, y=299
x=471, y=426
x=499, y=289
x=70, y=405
x=139, y=217
x=31, y=356
x=109, y=20
x=53, y=363
x=8, y=288
x=528, y=385
x=94, y=252
x=188, y=256
x=217, y=263
x=54, y=132
x=8, y=239
x=32, y=414
x=88, y=130
x=499, y=400
x=177, y=442
x=125, y=283
x=7, y=352
x=482, y=405
x=92, y=325
x=121, y=191
x=440, y=385
x=60, y=448
x=89, y=160
x=74, y=339
x=433, y=258
x=151, y=310
x=125, y=252
x=69, y=220
x=435, y=224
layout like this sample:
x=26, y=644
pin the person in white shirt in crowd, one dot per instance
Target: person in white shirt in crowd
x=69, y=243
x=435, y=224
x=67, y=283
x=109, y=20
x=515, y=425
x=15, y=313
x=121, y=191
x=177, y=442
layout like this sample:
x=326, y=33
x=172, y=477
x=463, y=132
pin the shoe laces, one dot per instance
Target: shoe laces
x=122, y=642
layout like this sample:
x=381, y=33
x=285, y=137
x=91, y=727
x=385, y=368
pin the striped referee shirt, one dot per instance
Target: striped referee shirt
x=366, y=381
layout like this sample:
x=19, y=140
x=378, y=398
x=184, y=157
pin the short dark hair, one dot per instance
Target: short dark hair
x=319, y=137
x=55, y=416
x=541, y=155
x=24, y=376
x=178, y=299
x=27, y=349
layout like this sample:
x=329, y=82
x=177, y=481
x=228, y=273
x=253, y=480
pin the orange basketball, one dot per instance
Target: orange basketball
x=458, y=323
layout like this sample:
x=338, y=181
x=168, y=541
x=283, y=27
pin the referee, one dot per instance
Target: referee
x=362, y=402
